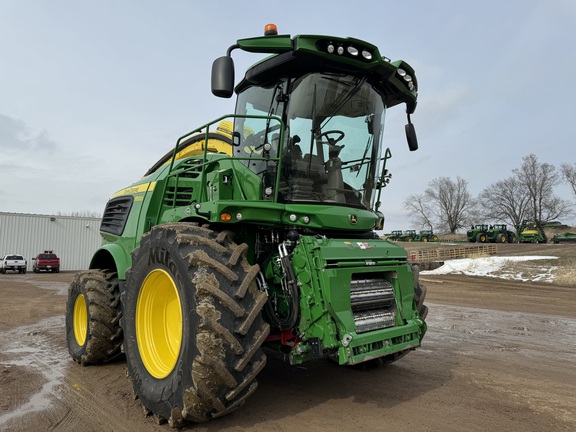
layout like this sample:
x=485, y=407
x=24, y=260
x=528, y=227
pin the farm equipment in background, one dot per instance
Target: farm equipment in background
x=564, y=238
x=257, y=230
x=499, y=233
x=408, y=236
x=412, y=236
x=394, y=235
x=426, y=236
x=530, y=232
x=478, y=233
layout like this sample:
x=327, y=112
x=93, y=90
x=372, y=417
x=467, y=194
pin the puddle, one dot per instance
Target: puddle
x=33, y=347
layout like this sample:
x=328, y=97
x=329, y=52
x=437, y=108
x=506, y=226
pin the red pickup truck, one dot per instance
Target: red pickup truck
x=46, y=261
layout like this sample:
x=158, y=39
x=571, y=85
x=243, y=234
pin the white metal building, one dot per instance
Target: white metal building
x=73, y=238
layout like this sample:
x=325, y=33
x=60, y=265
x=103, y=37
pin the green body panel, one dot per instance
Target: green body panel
x=112, y=253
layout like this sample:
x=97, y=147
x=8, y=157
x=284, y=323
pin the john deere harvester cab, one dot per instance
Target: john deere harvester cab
x=257, y=230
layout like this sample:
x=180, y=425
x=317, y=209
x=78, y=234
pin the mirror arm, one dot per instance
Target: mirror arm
x=230, y=49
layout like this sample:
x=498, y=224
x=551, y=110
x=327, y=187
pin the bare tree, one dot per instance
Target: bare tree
x=445, y=204
x=420, y=211
x=569, y=174
x=505, y=201
x=82, y=213
x=538, y=180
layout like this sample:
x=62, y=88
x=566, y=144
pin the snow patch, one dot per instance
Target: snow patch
x=500, y=267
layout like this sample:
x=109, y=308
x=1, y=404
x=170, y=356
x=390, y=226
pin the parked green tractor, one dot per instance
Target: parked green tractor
x=257, y=230
x=394, y=235
x=478, y=233
x=408, y=235
x=426, y=236
x=499, y=233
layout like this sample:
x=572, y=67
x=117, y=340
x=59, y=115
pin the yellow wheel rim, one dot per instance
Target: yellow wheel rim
x=80, y=320
x=159, y=323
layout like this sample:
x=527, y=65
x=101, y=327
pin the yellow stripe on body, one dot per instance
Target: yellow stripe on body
x=137, y=189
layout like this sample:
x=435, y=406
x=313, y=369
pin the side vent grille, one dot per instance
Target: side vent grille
x=116, y=214
x=178, y=197
x=192, y=168
x=181, y=186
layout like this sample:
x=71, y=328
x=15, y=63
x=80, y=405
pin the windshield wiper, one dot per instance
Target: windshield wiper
x=279, y=97
x=343, y=100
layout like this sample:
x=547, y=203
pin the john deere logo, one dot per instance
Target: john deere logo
x=353, y=219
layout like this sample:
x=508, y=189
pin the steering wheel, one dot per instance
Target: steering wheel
x=332, y=141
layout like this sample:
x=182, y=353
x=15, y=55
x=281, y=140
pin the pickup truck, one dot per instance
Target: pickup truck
x=47, y=260
x=13, y=262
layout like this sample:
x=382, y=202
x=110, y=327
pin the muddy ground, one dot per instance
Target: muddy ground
x=498, y=355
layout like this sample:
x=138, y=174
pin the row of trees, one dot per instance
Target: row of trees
x=528, y=194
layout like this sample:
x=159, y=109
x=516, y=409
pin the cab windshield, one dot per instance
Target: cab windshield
x=334, y=125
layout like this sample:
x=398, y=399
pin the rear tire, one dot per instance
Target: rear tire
x=197, y=356
x=93, y=312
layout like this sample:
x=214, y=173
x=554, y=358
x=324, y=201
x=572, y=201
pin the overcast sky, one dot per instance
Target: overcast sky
x=93, y=93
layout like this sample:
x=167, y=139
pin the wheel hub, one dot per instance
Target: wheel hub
x=80, y=320
x=159, y=323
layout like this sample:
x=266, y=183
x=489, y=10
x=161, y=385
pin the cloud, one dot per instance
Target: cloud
x=440, y=108
x=16, y=136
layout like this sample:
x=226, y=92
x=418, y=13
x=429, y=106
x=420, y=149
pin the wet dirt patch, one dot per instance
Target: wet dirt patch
x=29, y=357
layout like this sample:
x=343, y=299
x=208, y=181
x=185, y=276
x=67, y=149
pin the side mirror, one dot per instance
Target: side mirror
x=411, y=137
x=223, y=77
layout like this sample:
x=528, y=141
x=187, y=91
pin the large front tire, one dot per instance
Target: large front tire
x=93, y=312
x=192, y=323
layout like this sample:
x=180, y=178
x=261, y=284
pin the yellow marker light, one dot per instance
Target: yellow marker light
x=225, y=217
